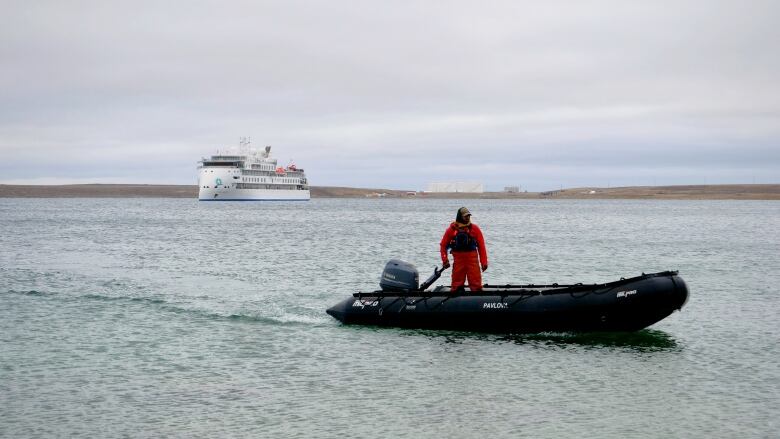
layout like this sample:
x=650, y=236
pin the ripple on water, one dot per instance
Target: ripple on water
x=137, y=321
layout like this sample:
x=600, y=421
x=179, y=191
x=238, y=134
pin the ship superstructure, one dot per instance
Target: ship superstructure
x=247, y=174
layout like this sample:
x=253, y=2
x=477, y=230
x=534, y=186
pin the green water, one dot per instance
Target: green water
x=170, y=318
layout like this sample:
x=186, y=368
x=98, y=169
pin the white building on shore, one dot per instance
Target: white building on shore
x=456, y=186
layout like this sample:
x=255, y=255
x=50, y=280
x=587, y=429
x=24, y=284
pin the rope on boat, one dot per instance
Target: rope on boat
x=520, y=290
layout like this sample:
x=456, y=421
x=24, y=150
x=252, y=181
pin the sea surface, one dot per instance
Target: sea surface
x=173, y=318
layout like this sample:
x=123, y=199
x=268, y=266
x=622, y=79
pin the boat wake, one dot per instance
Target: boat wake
x=304, y=317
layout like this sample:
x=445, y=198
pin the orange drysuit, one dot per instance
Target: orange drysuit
x=469, y=252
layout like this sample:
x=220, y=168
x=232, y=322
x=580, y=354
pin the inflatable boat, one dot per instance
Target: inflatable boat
x=623, y=305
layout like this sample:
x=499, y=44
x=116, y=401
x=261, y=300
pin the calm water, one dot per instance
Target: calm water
x=166, y=317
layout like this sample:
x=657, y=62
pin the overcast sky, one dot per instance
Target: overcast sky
x=394, y=94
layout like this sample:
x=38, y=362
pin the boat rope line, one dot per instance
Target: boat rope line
x=674, y=283
x=446, y=298
x=367, y=299
x=517, y=290
x=519, y=299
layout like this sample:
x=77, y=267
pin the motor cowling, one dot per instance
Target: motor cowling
x=399, y=275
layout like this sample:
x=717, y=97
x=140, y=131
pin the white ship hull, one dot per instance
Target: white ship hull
x=230, y=194
x=250, y=175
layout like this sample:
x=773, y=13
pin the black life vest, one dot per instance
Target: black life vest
x=463, y=241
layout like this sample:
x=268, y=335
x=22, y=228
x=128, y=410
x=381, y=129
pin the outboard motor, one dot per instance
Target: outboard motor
x=399, y=276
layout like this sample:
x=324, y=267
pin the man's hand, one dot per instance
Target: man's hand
x=484, y=267
x=445, y=264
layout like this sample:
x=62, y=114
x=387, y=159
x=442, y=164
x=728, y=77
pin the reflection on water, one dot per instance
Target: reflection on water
x=646, y=340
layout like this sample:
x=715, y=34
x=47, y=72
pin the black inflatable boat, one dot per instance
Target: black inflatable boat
x=624, y=305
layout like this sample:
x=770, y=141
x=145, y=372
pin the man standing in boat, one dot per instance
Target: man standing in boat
x=464, y=239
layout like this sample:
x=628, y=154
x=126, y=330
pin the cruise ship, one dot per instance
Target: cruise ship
x=247, y=174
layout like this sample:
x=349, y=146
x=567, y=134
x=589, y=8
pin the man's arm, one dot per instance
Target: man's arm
x=445, y=241
x=481, y=247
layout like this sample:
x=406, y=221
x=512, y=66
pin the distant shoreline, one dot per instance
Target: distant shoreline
x=690, y=192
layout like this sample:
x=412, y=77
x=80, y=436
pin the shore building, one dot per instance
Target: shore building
x=456, y=186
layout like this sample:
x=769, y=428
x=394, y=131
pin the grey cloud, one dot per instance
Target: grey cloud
x=558, y=85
